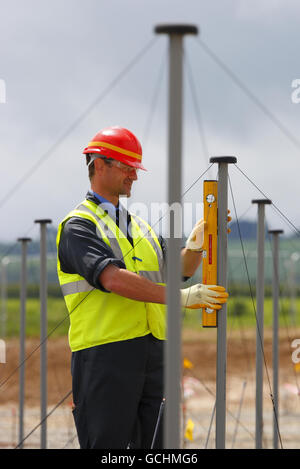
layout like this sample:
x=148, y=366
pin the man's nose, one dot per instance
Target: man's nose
x=134, y=174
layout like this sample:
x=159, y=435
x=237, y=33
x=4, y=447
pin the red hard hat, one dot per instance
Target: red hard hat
x=119, y=144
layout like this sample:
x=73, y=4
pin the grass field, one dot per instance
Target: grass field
x=57, y=314
x=289, y=265
x=241, y=313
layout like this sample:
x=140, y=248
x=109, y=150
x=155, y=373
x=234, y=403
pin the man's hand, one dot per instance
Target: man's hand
x=202, y=296
x=228, y=221
x=196, y=238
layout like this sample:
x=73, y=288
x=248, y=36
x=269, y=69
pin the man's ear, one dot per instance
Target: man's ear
x=98, y=164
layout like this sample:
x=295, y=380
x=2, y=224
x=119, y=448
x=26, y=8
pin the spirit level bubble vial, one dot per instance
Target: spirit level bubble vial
x=209, y=262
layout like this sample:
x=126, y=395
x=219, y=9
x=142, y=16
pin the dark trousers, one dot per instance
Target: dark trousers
x=117, y=393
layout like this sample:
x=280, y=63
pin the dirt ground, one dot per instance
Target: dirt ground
x=199, y=347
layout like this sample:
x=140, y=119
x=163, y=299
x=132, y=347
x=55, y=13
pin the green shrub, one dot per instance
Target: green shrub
x=239, y=307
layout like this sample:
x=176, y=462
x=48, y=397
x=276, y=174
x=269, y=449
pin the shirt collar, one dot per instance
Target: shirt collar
x=101, y=199
x=106, y=204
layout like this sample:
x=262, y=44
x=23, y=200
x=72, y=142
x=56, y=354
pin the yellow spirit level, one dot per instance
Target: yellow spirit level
x=209, y=262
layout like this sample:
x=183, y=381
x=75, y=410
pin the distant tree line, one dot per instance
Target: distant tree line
x=248, y=231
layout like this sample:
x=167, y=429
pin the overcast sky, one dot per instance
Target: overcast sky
x=57, y=57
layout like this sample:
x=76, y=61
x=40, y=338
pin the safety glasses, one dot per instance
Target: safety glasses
x=118, y=164
x=124, y=167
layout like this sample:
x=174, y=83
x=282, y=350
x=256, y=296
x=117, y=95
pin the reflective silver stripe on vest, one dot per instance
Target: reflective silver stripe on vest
x=108, y=233
x=147, y=234
x=152, y=275
x=76, y=287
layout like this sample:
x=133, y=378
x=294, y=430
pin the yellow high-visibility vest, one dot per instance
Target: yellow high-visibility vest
x=97, y=317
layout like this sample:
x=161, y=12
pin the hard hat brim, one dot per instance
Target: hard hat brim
x=133, y=162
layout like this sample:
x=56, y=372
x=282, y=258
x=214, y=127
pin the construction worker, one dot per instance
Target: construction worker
x=111, y=268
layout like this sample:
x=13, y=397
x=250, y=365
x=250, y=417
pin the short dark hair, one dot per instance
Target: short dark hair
x=91, y=167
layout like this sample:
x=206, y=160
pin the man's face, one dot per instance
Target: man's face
x=118, y=178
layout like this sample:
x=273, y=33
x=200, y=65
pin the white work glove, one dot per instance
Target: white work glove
x=203, y=296
x=196, y=238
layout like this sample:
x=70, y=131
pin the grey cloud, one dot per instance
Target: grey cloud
x=56, y=57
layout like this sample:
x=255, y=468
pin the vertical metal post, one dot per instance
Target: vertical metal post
x=4, y=263
x=275, y=354
x=172, y=378
x=43, y=333
x=223, y=162
x=294, y=258
x=260, y=291
x=23, y=288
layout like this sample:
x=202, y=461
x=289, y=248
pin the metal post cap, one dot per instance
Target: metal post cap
x=275, y=231
x=179, y=29
x=262, y=201
x=223, y=159
x=43, y=220
x=24, y=239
